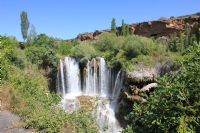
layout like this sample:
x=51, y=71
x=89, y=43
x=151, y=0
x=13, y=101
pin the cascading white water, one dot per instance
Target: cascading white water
x=70, y=83
x=95, y=79
x=118, y=85
x=104, y=77
x=106, y=117
x=72, y=76
x=62, y=78
x=106, y=108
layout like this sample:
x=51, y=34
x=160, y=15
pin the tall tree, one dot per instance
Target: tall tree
x=24, y=24
x=113, y=26
x=188, y=35
x=32, y=34
x=198, y=31
x=123, y=32
x=127, y=32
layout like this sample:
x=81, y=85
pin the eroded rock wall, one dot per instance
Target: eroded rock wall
x=158, y=28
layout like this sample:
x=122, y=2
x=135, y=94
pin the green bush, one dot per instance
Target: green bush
x=30, y=98
x=109, y=42
x=33, y=102
x=83, y=122
x=84, y=51
x=7, y=48
x=7, y=54
x=4, y=68
x=174, y=105
x=41, y=56
x=42, y=52
x=63, y=48
x=123, y=49
x=43, y=40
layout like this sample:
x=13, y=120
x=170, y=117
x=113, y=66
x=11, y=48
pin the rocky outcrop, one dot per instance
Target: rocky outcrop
x=165, y=27
x=90, y=36
x=146, y=75
x=159, y=28
x=142, y=75
x=139, y=84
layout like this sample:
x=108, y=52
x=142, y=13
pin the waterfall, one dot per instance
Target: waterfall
x=72, y=76
x=93, y=79
x=104, y=78
x=62, y=89
x=118, y=85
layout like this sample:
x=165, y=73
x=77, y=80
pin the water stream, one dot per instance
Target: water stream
x=95, y=80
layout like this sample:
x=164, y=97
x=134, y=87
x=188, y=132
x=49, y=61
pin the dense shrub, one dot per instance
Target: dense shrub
x=174, y=105
x=84, y=51
x=42, y=51
x=180, y=42
x=136, y=45
x=30, y=97
x=41, y=56
x=7, y=48
x=127, y=49
x=63, y=48
x=83, y=122
x=109, y=42
x=33, y=102
x=7, y=54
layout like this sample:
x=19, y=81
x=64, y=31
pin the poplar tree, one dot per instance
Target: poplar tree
x=123, y=32
x=127, y=32
x=32, y=34
x=113, y=26
x=24, y=24
x=198, y=31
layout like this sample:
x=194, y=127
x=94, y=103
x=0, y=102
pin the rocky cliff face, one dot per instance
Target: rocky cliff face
x=159, y=28
x=139, y=84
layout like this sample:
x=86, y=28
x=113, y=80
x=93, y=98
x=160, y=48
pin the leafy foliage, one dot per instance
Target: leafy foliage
x=84, y=51
x=63, y=48
x=7, y=54
x=32, y=34
x=113, y=26
x=123, y=28
x=30, y=97
x=125, y=49
x=176, y=44
x=180, y=42
x=24, y=24
x=174, y=105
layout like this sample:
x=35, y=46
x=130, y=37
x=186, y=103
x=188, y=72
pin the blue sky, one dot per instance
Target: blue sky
x=67, y=18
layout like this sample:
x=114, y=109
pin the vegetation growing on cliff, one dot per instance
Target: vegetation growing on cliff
x=174, y=105
x=28, y=94
x=125, y=50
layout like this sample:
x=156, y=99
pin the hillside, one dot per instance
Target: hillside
x=157, y=28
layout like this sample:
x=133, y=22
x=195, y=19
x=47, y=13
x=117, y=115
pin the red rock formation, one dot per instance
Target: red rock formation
x=159, y=28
